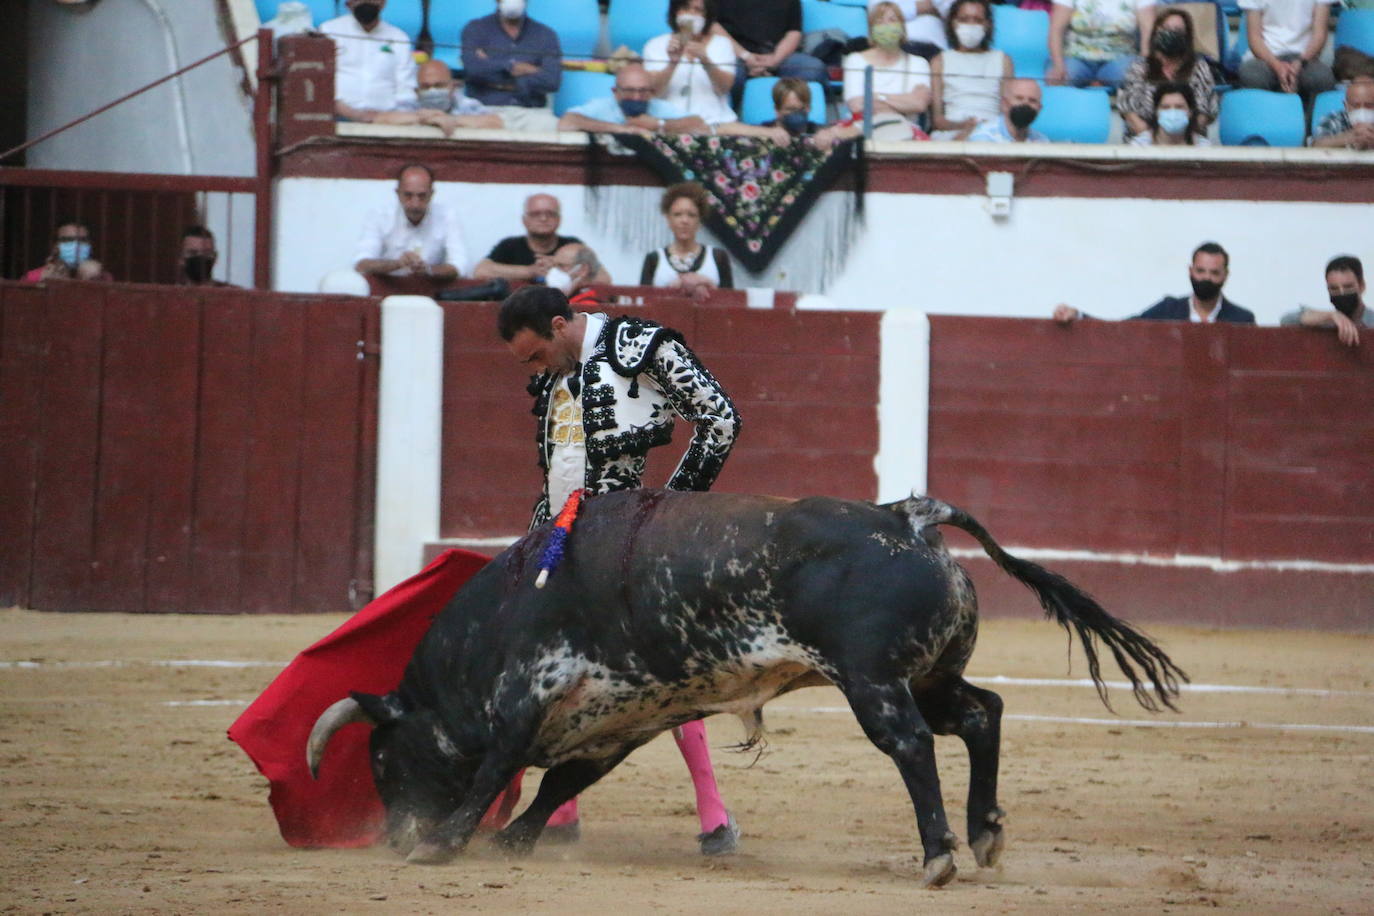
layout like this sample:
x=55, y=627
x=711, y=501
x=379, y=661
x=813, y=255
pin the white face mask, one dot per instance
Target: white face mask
x=970, y=34
x=690, y=22
x=511, y=9
x=1360, y=116
x=559, y=279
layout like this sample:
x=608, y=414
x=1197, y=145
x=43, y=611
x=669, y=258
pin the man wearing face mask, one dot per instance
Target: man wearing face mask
x=198, y=258
x=71, y=247
x=631, y=109
x=1207, y=273
x=575, y=268
x=512, y=64
x=1352, y=127
x=1345, y=287
x=374, y=70
x=1020, y=107
x=437, y=103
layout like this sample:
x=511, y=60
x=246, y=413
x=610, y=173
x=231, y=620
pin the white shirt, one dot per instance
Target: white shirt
x=690, y=88
x=438, y=238
x=1195, y=318
x=373, y=70
x=567, y=443
x=909, y=72
x=1287, y=23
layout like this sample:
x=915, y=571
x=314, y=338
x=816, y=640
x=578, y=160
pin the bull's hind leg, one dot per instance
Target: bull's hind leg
x=957, y=707
x=559, y=785
x=889, y=716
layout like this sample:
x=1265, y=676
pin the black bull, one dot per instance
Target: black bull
x=672, y=606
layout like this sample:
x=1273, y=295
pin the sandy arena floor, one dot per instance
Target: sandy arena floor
x=117, y=798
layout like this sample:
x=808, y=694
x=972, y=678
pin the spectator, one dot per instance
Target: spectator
x=901, y=81
x=690, y=66
x=374, y=70
x=1207, y=273
x=91, y=269
x=1345, y=286
x=71, y=247
x=511, y=63
x=684, y=262
x=438, y=104
x=416, y=237
x=1286, y=39
x=1171, y=59
x=966, y=80
x=529, y=256
x=1096, y=40
x=630, y=109
x=1020, y=106
x=198, y=258
x=575, y=268
x=924, y=20
x=791, y=104
x=1352, y=127
x=1174, y=119
x=766, y=35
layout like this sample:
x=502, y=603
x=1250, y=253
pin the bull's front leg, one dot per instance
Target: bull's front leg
x=559, y=785
x=452, y=834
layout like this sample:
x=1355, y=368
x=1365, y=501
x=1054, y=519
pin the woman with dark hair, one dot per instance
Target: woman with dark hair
x=689, y=66
x=966, y=80
x=684, y=262
x=1173, y=122
x=1171, y=59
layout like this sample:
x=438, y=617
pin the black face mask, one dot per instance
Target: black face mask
x=1206, y=290
x=1346, y=303
x=367, y=13
x=198, y=267
x=1021, y=116
x=1170, y=42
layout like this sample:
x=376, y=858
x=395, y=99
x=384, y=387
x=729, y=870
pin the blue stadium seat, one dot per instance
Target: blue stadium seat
x=320, y=10
x=577, y=22
x=580, y=86
x=1024, y=36
x=633, y=22
x=446, y=21
x=406, y=15
x=1327, y=102
x=859, y=3
x=1074, y=115
x=1356, y=29
x=826, y=14
x=757, y=104
x=1275, y=116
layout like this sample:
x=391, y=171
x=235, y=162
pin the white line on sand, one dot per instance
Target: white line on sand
x=1184, y=688
x=1142, y=723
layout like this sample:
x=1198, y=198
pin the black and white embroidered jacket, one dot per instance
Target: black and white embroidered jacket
x=638, y=375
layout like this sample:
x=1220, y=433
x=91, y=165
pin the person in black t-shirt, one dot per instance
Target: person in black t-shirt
x=767, y=38
x=530, y=256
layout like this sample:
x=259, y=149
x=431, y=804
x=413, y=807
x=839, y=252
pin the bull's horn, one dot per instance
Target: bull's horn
x=344, y=712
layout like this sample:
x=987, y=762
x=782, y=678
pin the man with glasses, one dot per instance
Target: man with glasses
x=631, y=109
x=530, y=256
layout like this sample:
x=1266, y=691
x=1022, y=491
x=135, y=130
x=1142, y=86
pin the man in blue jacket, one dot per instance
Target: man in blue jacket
x=512, y=64
x=1206, y=305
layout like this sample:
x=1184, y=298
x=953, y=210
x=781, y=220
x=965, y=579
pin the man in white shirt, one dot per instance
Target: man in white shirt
x=416, y=237
x=374, y=70
x=1286, y=40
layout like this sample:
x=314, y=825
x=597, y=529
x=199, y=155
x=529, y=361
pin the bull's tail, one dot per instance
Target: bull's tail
x=1073, y=609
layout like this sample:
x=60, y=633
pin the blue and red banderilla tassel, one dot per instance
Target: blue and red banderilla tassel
x=558, y=538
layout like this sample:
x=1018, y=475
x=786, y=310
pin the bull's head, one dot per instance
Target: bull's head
x=419, y=773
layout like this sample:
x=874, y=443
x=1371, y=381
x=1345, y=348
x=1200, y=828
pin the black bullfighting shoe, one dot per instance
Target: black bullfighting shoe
x=722, y=841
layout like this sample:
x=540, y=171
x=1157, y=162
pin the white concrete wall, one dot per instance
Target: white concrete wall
x=931, y=253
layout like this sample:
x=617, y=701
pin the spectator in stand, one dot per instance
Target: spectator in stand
x=766, y=35
x=690, y=66
x=791, y=103
x=1345, y=287
x=374, y=70
x=966, y=80
x=1286, y=40
x=438, y=104
x=91, y=269
x=416, y=237
x=575, y=268
x=924, y=20
x=1171, y=59
x=1097, y=40
x=901, y=81
x=631, y=109
x=1351, y=127
x=198, y=258
x=1020, y=107
x=530, y=256
x=1207, y=273
x=685, y=263
x=511, y=64
x=1174, y=119
x=71, y=252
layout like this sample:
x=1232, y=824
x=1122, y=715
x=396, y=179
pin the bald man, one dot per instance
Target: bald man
x=416, y=237
x=1020, y=107
x=530, y=256
x=438, y=104
x=1351, y=127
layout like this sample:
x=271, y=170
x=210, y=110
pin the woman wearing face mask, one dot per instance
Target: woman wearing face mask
x=791, y=105
x=1174, y=119
x=686, y=263
x=689, y=66
x=71, y=247
x=901, y=81
x=1171, y=60
x=966, y=80
x=1096, y=40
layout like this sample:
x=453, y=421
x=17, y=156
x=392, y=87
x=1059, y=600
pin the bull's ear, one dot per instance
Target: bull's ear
x=380, y=710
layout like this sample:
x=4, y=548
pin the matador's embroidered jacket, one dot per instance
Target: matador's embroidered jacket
x=638, y=375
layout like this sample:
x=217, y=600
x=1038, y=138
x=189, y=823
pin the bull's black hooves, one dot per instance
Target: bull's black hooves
x=431, y=854
x=562, y=833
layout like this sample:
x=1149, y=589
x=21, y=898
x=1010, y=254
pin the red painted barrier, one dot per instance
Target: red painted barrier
x=179, y=450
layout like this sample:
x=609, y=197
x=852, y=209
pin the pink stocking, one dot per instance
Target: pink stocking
x=691, y=740
x=565, y=814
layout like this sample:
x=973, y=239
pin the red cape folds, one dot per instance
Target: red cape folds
x=368, y=653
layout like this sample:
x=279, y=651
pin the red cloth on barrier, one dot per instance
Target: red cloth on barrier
x=368, y=653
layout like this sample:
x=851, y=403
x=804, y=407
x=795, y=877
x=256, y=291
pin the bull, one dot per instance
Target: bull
x=672, y=606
